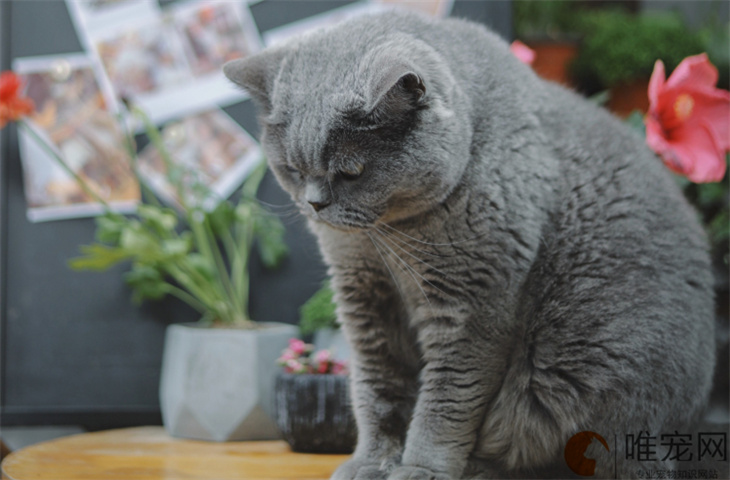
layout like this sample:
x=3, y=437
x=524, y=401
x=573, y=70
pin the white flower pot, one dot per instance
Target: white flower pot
x=217, y=383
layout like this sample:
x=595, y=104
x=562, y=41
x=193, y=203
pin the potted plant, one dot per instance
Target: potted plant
x=312, y=402
x=619, y=49
x=550, y=29
x=318, y=317
x=217, y=374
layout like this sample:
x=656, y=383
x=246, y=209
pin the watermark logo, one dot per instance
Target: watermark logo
x=644, y=449
x=575, y=451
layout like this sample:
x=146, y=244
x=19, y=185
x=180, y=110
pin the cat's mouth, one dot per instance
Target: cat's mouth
x=337, y=223
x=342, y=226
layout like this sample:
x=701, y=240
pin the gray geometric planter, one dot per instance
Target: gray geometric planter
x=217, y=383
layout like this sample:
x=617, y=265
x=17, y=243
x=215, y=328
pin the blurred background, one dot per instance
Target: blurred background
x=77, y=355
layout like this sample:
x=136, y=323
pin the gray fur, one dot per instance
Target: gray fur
x=512, y=266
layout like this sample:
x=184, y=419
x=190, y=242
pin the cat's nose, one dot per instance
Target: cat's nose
x=317, y=206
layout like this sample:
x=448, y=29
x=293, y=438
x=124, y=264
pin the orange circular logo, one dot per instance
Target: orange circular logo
x=575, y=451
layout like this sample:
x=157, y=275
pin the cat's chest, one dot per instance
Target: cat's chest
x=418, y=272
x=411, y=269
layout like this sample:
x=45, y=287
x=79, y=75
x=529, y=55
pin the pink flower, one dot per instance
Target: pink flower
x=286, y=356
x=294, y=366
x=339, y=368
x=688, y=124
x=298, y=346
x=323, y=356
x=524, y=53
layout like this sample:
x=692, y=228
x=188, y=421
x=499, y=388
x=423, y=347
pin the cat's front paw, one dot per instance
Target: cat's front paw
x=416, y=473
x=358, y=470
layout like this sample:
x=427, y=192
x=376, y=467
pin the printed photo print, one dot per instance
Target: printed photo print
x=319, y=22
x=95, y=17
x=209, y=157
x=143, y=59
x=101, y=5
x=212, y=34
x=71, y=115
x=434, y=8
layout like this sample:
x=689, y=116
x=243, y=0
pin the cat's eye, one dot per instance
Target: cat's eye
x=290, y=169
x=352, y=172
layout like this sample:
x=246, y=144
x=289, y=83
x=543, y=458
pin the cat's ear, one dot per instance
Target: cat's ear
x=256, y=74
x=397, y=88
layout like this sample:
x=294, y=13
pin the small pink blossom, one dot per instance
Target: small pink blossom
x=294, y=366
x=298, y=346
x=287, y=355
x=688, y=124
x=523, y=53
x=323, y=356
x=301, y=358
x=339, y=368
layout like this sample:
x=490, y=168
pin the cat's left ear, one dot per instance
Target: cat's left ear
x=397, y=86
x=256, y=74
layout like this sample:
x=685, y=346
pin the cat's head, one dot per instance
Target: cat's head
x=359, y=123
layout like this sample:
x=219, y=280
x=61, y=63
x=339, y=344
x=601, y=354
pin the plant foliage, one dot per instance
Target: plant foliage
x=197, y=255
x=318, y=312
x=619, y=47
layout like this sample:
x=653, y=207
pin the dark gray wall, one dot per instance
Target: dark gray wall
x=74, y=349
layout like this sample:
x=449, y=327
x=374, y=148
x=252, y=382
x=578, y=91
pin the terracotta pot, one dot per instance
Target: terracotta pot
x=627, y=97
x=314, y=413
x=553, y=58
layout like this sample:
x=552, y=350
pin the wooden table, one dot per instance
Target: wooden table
x=148, y=453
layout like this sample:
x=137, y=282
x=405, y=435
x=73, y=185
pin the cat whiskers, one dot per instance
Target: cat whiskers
x=385, y=236
x=410, y=270
x=403, y=265
x=392, y=275
x=286, y=210
x=395, y=238
x=422, y=242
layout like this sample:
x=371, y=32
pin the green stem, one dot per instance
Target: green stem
x=156, y=138
x=129, y=145
x=82, y=183
x=251, y=185
x=223, y=272
x=237, y=268
x=187, y=298
x=243, y=238
x=198, y=288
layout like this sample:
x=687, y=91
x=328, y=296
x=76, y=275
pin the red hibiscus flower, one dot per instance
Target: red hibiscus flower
x=688, y=124
x=523, y=53
x=12, y=106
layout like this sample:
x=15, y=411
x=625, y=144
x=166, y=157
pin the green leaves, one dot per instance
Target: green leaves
x=636, y=121
x=98, y=257
x=269, y=233
x=109, y=228
x=147, y=282
x=198, y=256
x=319, y=311
x=162, y=220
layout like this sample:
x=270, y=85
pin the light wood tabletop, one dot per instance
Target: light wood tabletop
x=149, y=453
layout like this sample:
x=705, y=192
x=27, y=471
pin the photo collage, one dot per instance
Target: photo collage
x=166, y=61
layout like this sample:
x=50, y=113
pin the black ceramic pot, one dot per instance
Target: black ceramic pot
x=314, y=413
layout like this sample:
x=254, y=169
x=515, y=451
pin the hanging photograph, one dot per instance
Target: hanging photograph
x=209, y=157
x=434, y=8
x=214, y=33
x=71, y=120
x=143, y=59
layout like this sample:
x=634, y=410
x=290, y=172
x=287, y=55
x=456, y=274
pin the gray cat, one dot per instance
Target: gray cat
x=511, y=264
